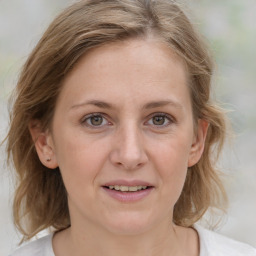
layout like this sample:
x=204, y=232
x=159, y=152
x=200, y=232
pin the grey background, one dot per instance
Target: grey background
x=230, y=27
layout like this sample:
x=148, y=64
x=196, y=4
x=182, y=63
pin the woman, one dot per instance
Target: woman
x=114, y=135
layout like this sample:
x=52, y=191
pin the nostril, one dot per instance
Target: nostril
x=128, y=160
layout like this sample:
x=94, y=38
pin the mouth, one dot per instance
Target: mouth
x=123, y=188
x=128, y=192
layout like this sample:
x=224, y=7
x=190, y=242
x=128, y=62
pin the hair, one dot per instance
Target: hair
x=40, y=199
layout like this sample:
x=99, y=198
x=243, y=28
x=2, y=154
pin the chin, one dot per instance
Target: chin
x=128, y=223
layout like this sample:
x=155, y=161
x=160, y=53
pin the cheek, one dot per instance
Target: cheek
x=172, y=153
x=173, y=168
x=171, y=160
x=75, y=148
x=79, y=161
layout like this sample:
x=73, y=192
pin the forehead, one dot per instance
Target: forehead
x=139, y=52
x=138, y=68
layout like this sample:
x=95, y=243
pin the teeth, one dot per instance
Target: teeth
x=127, y=188
x=124, y=188
x=133, y=189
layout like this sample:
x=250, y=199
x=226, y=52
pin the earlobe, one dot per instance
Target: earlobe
x=44, y=145
x=197, y=147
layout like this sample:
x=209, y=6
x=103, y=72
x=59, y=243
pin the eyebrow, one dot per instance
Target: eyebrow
x=97, y=103
x=156, y=104
x=150, y=105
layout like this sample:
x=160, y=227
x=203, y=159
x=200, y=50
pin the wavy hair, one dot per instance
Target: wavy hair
x=40, y=199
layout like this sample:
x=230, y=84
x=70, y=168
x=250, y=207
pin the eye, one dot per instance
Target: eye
x=95, y=120
x=160, y=119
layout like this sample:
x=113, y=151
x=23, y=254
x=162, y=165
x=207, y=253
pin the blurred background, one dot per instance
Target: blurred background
x=230, y=28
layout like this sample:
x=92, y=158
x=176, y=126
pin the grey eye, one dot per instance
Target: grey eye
x=96, y=120
x=159, y=120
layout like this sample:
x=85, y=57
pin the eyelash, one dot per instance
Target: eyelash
x=167, y=118
x=88, y=117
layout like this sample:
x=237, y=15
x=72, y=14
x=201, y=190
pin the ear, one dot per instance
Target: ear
x=44, y=145
x=197, y=147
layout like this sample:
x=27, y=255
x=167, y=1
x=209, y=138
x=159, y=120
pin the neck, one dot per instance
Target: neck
x=78, y=241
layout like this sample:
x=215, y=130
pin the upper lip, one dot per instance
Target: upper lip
x=129, y=183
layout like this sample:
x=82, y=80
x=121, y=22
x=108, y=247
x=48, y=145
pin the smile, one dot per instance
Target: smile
x=128, y=193
x=127, y=188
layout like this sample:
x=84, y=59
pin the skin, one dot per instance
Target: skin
x=130, y=86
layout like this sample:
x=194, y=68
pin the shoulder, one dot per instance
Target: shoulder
x=40, y=247
x=214, y=244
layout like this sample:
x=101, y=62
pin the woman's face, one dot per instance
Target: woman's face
x=123, y=137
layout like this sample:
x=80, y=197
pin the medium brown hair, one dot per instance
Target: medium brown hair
x=40, y=198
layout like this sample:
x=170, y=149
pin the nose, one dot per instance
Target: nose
x=128, y=149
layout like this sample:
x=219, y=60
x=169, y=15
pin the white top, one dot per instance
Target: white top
x=211, y=244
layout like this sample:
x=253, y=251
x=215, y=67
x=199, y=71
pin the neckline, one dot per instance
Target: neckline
x=196, y=227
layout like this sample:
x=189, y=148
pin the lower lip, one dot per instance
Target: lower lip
x=128, y=196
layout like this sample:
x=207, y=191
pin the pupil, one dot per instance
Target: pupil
x=96, y=120
x=158, y=120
